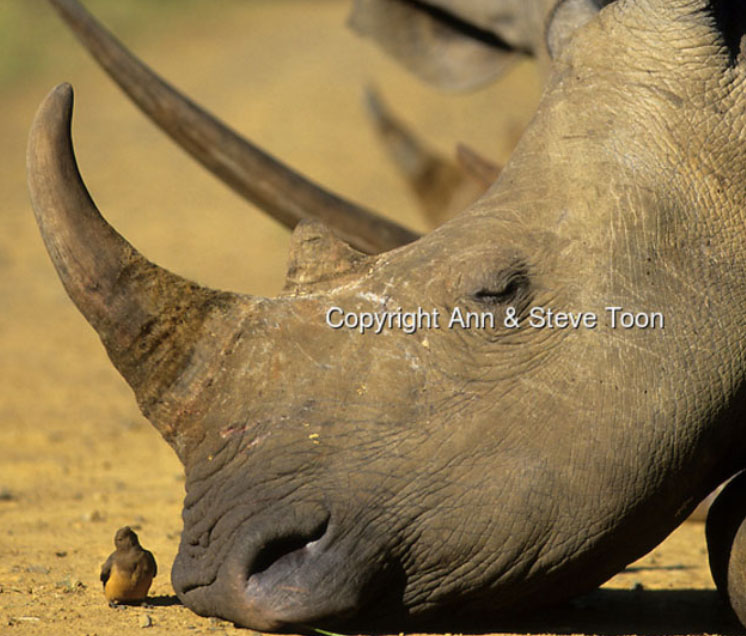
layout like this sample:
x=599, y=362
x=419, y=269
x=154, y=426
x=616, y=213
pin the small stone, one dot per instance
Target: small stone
x=93, y=516
x=70, y=585
x=146, y=621
x=60, y=553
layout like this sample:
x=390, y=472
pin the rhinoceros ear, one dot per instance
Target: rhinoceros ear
x=434, y=44
x=317, y=255
x=566, y=17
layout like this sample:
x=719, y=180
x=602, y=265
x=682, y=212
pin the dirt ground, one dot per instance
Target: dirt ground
x=77, y=460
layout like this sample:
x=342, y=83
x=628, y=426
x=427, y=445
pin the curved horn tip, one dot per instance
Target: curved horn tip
x=55, y=108
x=57, y=103
x=54, y=116
x=64, y=90
x=58, y=194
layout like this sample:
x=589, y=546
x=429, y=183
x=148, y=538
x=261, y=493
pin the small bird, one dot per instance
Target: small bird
x=129, y=570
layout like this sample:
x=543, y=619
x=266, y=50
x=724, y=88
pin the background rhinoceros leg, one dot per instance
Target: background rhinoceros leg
x=443, y=186
x=726, y=543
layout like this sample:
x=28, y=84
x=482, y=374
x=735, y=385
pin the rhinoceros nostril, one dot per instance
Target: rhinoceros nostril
x=285, y=546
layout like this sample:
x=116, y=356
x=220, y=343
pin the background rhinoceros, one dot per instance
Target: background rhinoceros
x=516, y=282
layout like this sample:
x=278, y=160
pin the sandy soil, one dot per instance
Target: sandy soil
x=77, y=460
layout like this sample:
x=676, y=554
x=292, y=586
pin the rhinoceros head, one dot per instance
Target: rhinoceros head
x=335, y=475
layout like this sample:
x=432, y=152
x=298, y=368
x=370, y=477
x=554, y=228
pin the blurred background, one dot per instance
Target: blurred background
x=77, y=460
x=286, y=73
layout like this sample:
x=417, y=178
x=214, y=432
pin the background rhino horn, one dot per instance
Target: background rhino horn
x=148, y=318
x=435, y=180
x=282, y=193
x=476, y=166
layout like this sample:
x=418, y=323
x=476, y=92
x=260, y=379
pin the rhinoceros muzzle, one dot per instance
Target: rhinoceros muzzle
x=275, y=560
x=274, y=578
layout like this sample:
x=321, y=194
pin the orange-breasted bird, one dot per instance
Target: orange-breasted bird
x=129, y=570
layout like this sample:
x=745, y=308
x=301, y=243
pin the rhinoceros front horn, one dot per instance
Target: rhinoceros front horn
x=148, y=318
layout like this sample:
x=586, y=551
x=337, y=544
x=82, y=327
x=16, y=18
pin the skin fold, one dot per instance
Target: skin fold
x=342, y=478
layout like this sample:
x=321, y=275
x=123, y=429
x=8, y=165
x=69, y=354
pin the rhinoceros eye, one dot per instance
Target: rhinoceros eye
x=507, y=288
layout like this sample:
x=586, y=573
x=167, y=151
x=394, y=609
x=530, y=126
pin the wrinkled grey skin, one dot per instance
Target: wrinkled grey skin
x=338, y=478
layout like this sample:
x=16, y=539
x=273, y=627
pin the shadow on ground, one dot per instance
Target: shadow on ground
x=608, y=612
x=164, y=600
x=649, y=612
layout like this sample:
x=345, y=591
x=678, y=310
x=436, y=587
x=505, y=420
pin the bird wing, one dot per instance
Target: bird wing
x=151, y=561
x=106, y=569
x=144, y=564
